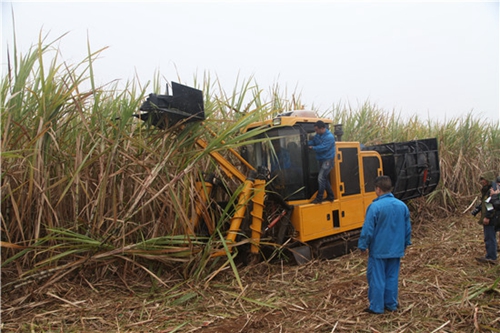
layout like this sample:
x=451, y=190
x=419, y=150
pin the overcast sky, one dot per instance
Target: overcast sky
x=438, y=60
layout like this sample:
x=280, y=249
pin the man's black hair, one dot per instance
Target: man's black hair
x=320, y=124
x=384, y=183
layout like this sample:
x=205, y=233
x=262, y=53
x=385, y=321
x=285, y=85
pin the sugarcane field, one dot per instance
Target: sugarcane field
x=160, y=208
x=443, y=289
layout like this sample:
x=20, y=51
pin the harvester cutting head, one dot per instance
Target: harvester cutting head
x=185, y=104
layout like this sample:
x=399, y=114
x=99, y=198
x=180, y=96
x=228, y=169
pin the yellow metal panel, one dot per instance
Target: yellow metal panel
x=317, y=221
x=352, y=211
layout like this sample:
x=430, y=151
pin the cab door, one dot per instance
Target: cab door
x=352, y=206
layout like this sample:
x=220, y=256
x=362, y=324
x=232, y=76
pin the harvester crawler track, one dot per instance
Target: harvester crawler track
x=336, y=245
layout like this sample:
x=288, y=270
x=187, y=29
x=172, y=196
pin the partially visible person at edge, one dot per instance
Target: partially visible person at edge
x=494, y=214
x=495, y=190
x=385, y=234
x=490, y=239
x=323, y=144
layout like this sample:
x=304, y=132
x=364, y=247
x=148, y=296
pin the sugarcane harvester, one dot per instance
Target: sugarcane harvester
x=274, y=208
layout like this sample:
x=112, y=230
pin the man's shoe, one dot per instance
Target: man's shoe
x=486, y=261
x=370, y=311
x=317, y=201
x=391, y=310
x=330, y=199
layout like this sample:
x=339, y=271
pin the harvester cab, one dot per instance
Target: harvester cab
x=274, y=209
x=290, y=163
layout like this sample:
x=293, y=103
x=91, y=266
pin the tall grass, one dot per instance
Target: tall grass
x=75, y=162
x=84, y=183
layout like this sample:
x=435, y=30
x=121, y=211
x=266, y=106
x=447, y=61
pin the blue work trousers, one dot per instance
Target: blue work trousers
x=324, y=179
x=383, y=277
x=490, y=241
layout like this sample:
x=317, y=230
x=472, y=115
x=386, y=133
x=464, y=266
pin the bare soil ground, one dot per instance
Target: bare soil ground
x=442, y=289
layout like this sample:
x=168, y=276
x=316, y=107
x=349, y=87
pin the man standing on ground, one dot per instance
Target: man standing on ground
x=385, y=234
x=323, y=144
x=494, y=214
x=490, y=240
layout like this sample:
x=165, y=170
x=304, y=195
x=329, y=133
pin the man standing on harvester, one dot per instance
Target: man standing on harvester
x=323, y=144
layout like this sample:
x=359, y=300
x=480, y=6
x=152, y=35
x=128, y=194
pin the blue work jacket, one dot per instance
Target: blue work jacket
x=323, y=145
x=386, y=231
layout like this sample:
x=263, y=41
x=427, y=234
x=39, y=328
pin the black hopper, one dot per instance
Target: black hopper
x=185, y=104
